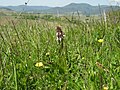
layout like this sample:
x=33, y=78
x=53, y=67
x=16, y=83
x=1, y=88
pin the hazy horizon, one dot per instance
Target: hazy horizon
x=55, y=3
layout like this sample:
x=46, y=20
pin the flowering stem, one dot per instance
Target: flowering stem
x=15, y=76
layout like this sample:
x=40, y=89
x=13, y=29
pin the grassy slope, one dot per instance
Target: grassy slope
x=75, y=67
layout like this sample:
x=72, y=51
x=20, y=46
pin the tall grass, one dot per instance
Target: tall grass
x=82, y=64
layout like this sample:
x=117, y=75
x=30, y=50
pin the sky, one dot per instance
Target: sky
x=54, y=3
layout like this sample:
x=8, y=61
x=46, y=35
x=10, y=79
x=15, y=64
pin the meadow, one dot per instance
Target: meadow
x=32, y=59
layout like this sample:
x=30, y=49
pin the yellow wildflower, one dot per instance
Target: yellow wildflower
x=100, y=40
x=39, y=64
x=105, y=87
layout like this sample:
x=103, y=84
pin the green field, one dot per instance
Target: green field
x=32, y=59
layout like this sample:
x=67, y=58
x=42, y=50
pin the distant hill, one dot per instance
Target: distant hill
x=28, y=8
x=82, y=8
x=5, y=8
x=4, y=11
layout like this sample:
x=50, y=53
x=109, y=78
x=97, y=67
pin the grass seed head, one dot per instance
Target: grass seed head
x=48, y=53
